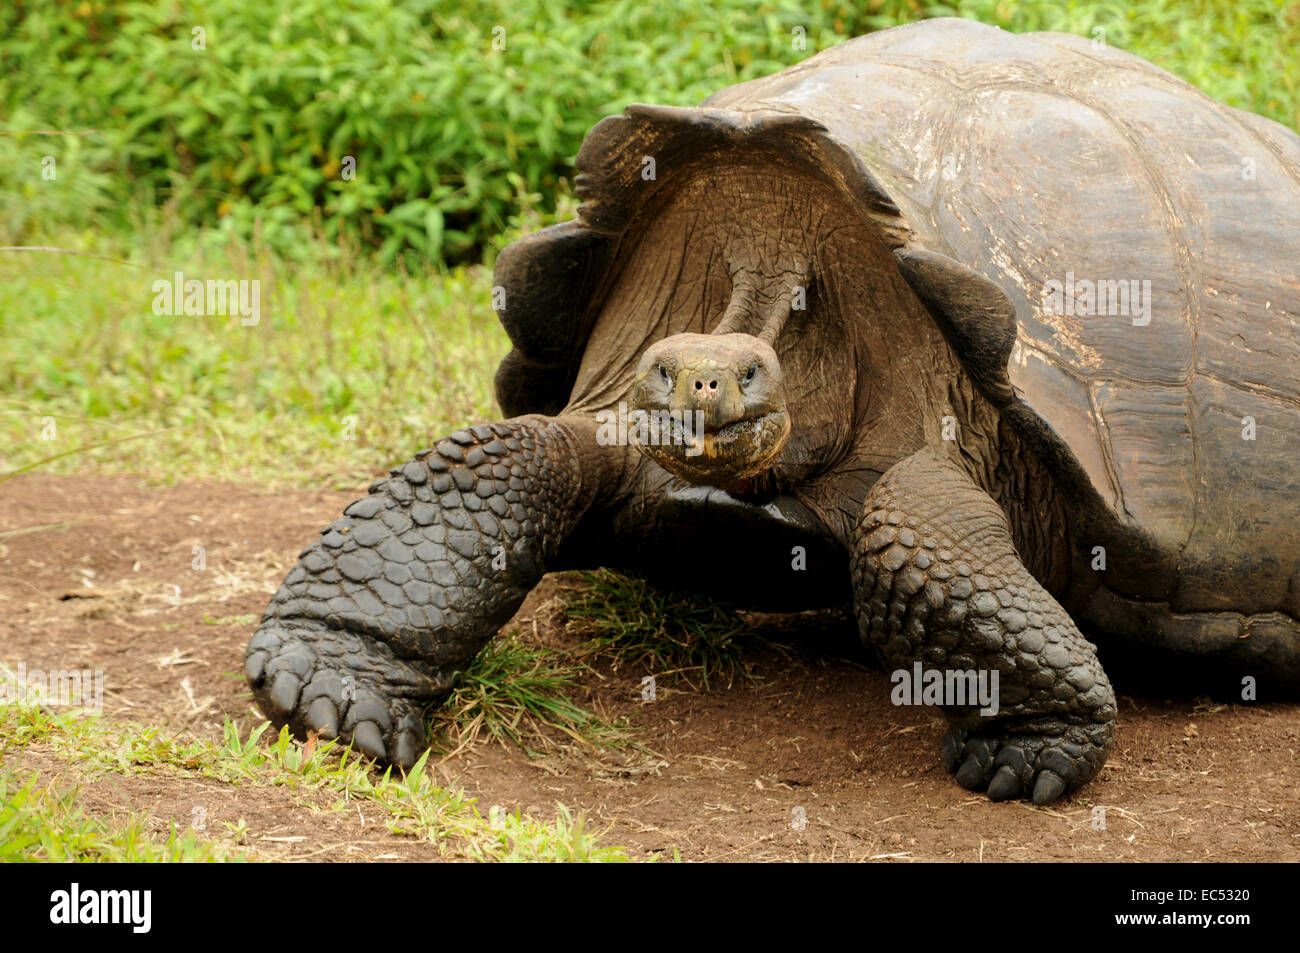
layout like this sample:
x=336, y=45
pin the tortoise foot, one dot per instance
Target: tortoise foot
x=1044, y=764
x=342, y=685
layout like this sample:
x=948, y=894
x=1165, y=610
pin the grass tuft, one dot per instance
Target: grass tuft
x=629, y=623
x=519, y=693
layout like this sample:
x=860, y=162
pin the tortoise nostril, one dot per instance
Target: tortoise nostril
x=699, y=385
x=713, y=385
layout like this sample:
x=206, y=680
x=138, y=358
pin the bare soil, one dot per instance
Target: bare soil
x=98, y=572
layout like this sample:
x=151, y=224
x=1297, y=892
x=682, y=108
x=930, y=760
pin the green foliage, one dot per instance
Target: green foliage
x=449, y=133
x=445, y=130
x=409, y=355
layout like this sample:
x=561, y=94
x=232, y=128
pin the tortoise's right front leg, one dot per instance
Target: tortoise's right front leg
x=397, y=597
x=938, y=581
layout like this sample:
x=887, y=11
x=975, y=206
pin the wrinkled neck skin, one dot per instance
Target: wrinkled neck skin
x=781, y=256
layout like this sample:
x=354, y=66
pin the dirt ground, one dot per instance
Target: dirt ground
x=97, y=572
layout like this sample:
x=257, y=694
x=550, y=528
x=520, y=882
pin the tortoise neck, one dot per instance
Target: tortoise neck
x=761, y=304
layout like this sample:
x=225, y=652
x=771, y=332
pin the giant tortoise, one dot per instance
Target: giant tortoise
x=993, y=336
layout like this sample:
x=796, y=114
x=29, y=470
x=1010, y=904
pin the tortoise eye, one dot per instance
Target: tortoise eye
x=663, y=372
x=752, y=371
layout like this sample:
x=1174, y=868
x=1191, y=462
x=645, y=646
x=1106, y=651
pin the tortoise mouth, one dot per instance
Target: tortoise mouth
x=735, y=451
x=728, y=435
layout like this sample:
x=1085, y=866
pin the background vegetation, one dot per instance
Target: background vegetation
x=376, y=332
x=450, y=133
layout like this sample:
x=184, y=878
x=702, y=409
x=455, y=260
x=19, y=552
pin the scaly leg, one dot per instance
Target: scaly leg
x=937, y=580
x=385, y=610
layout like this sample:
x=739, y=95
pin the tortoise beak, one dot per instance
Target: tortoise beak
x=712, y=388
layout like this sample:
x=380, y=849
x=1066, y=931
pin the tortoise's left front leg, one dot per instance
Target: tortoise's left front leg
x=937, y=580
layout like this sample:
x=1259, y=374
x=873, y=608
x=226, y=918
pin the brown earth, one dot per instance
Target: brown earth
x=96, y=572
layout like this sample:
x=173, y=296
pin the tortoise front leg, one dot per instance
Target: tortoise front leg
x=937, y=580
x=396, y=598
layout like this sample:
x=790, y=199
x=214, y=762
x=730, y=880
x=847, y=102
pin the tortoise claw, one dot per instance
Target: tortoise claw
x=1022, y=764
x=323, y=718
x=1005, y=785
x=367, y=740
x=1048, y=787
x=342, y=685
x=284, y=692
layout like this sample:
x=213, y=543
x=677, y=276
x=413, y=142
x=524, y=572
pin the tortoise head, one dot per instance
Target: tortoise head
x=720, y=400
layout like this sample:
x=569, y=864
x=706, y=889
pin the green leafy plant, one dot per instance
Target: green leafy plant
x=420, y=127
